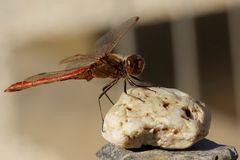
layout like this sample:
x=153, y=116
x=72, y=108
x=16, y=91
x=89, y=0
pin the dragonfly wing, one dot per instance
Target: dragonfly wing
x=78, y=57
x=79, y=60
x=108, y=41
x=50, y=77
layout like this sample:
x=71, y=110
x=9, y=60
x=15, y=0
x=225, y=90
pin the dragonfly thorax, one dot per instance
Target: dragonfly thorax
x=134, y=64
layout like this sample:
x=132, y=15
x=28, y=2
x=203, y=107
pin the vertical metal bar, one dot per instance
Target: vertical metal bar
x=185, y=56
x=234, y=26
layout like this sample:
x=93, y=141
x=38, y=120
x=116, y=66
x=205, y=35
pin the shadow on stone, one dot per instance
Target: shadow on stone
x=202, y=145
x=204, y=149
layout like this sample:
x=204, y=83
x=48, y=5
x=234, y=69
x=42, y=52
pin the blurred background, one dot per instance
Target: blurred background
x=189, y=45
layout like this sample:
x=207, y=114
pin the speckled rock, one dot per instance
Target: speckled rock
x=162, y=117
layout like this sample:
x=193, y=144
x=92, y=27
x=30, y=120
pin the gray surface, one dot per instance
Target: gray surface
x=203, y=150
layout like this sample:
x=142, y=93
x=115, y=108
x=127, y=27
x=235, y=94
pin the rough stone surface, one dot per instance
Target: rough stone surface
x=164, y=117
x=202, y=150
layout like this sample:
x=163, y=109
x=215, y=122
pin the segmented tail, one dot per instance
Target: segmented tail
x=45, y=78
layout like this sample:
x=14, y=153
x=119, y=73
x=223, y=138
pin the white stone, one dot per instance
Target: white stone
x=165, y=117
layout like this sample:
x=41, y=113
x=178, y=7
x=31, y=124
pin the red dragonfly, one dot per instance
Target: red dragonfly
x=103, y=64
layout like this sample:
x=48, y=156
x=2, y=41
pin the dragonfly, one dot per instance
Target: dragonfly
x=102, y=64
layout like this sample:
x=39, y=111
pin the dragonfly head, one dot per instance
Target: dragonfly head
x=134, y=64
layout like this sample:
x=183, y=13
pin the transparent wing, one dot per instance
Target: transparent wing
x=104, y=45
x=108, y=41
x=46, y=75
x=79, y=60
x=64, y=73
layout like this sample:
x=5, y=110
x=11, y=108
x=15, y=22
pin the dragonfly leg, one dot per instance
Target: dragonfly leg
x=137, y=85
x=125, y=86
x=105, y=89
x=109, y=98
x=136, y=78
x=125, y=90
